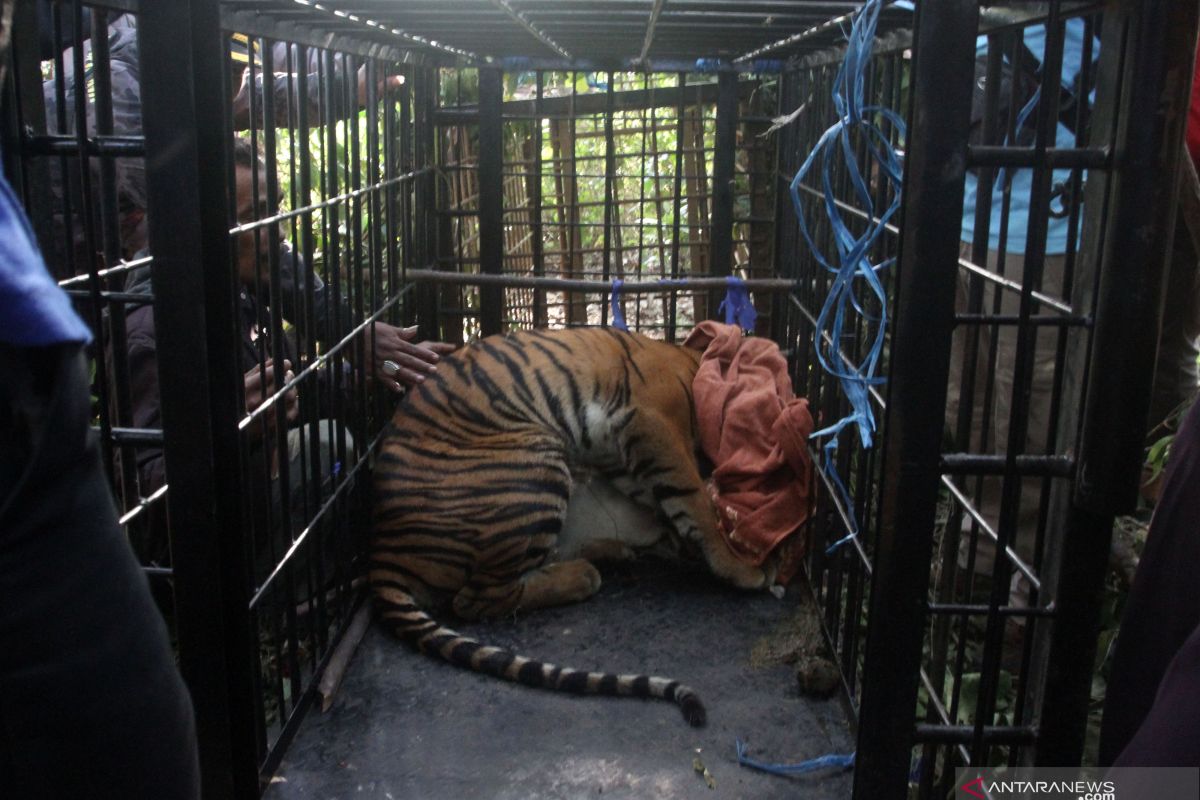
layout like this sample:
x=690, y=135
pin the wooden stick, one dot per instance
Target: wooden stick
x=335, y=670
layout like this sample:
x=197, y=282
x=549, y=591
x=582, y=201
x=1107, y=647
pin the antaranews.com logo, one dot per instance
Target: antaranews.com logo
x=1055, y=783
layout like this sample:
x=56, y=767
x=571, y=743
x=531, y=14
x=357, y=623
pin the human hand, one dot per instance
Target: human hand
x=388, y=83
x=398, y=362
x=259, y=386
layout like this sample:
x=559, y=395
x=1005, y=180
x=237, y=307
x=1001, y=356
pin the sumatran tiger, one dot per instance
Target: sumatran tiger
x=474, y=476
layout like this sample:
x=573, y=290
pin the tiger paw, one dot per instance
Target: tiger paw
x=559, y=584
x=748, y=576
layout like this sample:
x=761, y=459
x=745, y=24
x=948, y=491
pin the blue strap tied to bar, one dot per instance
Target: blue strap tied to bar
x=707, y=64
x=830, y=761
x=618, y=316
x=737, y=306
x=844, y=310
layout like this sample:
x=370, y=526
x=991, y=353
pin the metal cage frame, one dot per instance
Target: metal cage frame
x=883, y=596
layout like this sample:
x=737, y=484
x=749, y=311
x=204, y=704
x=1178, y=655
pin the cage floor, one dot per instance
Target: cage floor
x=407, y=726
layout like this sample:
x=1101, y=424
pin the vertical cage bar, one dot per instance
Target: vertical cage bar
x=721, y=247
x=609, y=178
x=88, y=223
x=491, y=197
x=1137, y=244
x=111, y=237
x=535, y=199
x=200, y=378
x=680, y=127
x=429, y=196
x=1130, y=296
x=783, y=211
x=924, y=319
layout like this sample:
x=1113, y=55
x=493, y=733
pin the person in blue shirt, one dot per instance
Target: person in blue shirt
x=91, y=703
x=1008, y=212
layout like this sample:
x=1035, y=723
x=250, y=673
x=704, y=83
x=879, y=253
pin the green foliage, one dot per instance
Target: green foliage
x=1163, y=434
x=458, y=87
x=1156, y=457
x=346, y=175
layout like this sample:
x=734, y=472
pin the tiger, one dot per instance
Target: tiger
x=476, y=470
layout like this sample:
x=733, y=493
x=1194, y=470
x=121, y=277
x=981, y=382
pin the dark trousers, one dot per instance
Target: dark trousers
x=1153, y=699
x=91, y=702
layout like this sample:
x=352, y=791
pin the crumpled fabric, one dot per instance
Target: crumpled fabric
x=755, y=431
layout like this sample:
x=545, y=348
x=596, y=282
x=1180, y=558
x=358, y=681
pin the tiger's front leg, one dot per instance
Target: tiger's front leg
x=660, y=461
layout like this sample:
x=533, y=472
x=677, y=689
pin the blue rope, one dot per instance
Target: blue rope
x=618, y=316
x=830, y=761
x=853, y=271
x=738, y=308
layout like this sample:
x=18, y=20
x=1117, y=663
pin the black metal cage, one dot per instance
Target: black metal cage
x=422, y=162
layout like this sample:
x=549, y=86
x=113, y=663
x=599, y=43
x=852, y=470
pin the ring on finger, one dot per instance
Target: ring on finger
x=391, y=368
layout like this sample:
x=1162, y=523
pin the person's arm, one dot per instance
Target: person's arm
x=397, y=361
x=285, y=89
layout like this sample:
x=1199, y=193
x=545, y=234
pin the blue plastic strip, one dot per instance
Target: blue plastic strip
x=830, y=761
x=737, y=306
x=618, y=316
x=856, y=279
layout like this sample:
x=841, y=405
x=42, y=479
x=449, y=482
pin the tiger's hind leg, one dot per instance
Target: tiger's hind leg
x=511, y=572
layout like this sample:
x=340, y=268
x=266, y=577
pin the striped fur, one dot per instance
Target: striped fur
x=474, y=478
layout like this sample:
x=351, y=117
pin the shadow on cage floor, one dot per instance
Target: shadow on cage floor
x=407, y=726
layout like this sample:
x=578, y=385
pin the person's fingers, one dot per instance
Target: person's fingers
x=404, y=377
x=411, y=358
x=441, y=348
x=292, y=399
x=406, y=355
x=256, y=375
x=259, y=382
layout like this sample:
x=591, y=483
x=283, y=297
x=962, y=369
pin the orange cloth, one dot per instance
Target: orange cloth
x=755, y=431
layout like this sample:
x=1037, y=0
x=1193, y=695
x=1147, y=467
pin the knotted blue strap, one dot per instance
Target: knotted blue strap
x=856, y=288
x=618, y=316
x=737, y=306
